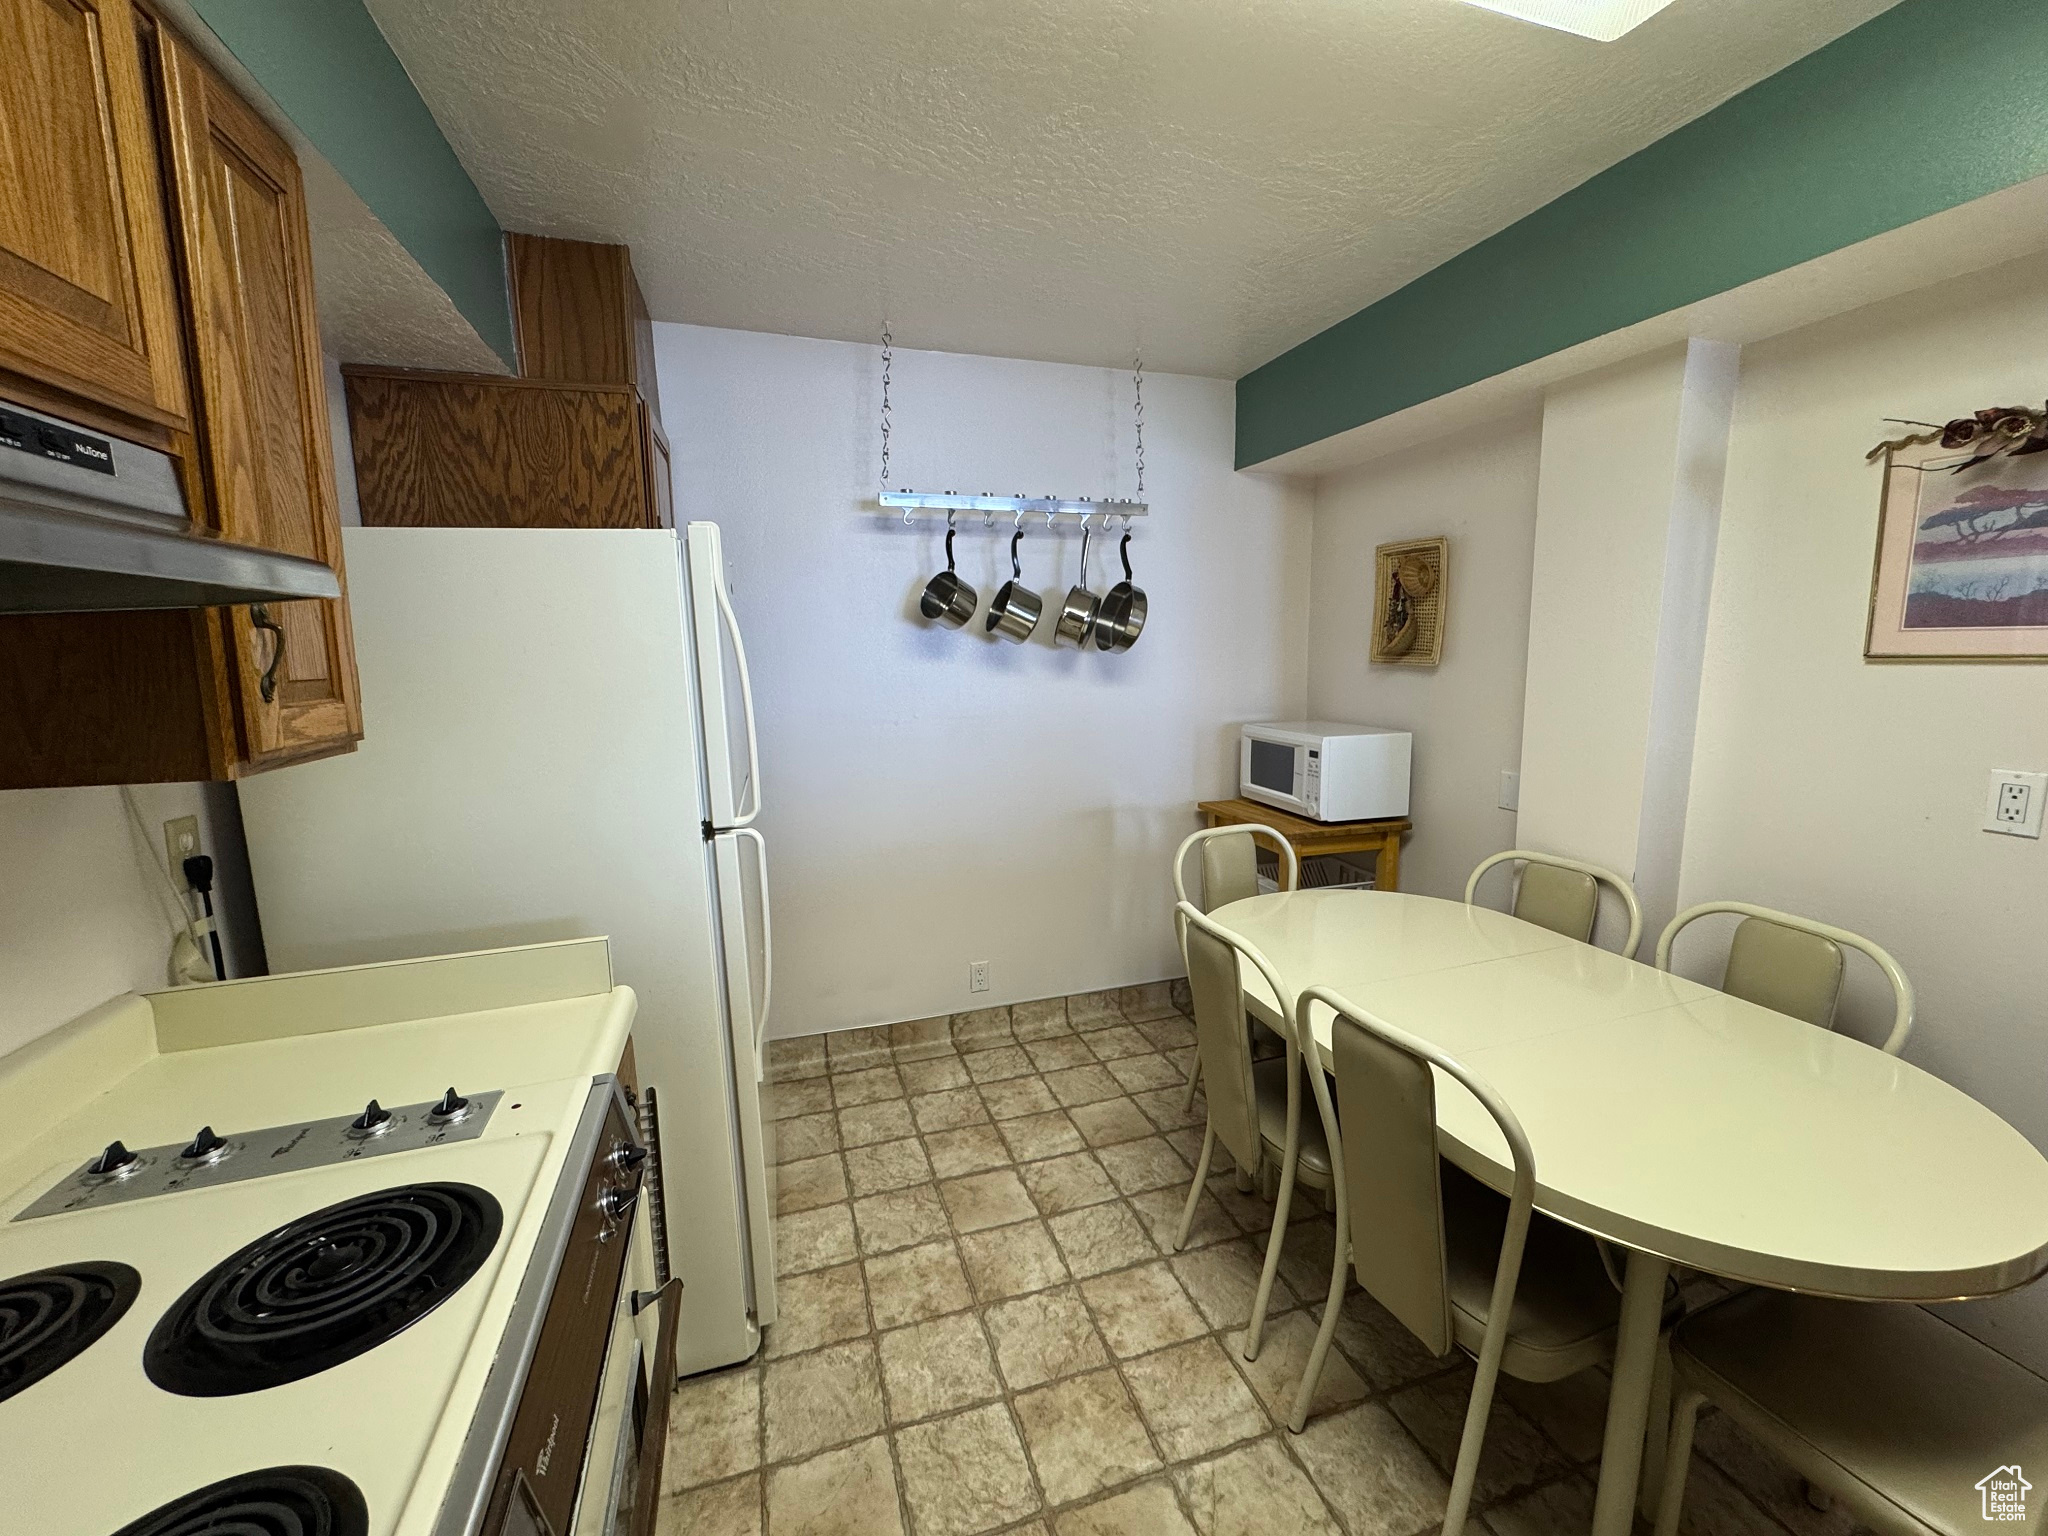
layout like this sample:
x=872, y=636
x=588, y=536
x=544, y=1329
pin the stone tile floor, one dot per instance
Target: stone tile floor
x=984, y=1327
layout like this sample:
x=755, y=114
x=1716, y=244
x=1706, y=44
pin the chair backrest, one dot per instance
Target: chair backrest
x=1793, y=965
x=1387, y=1174
x=1230, y=864
x=1563, y=894
x=1213, y=954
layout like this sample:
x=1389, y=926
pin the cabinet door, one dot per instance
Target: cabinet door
x=269, y=462
x=86, y=300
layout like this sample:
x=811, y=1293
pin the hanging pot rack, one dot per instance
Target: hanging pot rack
x=915, y=504
x=1078, y=512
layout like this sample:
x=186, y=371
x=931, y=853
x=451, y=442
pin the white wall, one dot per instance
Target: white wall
x=1603, y=505
x=1853, y=790
x=936, y=797
x=82, y=916
x=1466, y=713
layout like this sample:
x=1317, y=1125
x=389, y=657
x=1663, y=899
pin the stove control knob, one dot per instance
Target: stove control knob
x=628, y=1157
x=375, y=1120
x=614, y=1204
x=203, y=1148
x=116, y=1162
x=453, y=1107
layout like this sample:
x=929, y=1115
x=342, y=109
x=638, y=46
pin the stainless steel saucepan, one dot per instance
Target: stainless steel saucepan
x=1014, y=613
x=1078, y=613
x=948, y=600
x=1122, y=618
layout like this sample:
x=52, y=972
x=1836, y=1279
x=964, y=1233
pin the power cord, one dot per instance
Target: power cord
x=188, y=961
x=199, y=875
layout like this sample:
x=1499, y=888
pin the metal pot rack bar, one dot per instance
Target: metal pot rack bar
x=951, y=504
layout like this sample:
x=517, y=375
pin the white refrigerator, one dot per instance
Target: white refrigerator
x=558, y=741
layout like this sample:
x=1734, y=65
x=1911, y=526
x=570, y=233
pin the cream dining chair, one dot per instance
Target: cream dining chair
x=1898, y=1415
x=1230, y=872
x=1254, y=1108
x=1793, y=965
x=1562, y=894
x=1454, y=1262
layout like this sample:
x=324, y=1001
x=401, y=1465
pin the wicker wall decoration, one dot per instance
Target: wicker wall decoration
x=1408, y=602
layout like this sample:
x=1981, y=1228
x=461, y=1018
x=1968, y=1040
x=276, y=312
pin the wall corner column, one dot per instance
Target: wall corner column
x=1627, y=520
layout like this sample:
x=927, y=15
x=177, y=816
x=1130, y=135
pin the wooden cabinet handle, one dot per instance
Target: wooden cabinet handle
x=259, y=618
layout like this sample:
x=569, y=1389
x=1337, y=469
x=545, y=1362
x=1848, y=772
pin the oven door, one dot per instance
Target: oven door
x=620, y=1487
x=1272, y=772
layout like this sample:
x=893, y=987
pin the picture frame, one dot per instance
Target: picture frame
x=1409, y=596
x=1961, y=569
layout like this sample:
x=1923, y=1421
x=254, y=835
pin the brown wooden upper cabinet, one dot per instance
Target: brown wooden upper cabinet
x=248, y=271
x=160, y=208
x=579, y=314
x=88, y=309
x=574, y=442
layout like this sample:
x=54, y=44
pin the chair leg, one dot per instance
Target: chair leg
x=1312, y=1377
x=1466, y=1474
x=1194, y=1082
x=1187, y=1217
x=1677, y=1462
x=1257, y=1326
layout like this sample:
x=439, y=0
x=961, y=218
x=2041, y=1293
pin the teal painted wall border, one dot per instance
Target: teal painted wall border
x=1928, y=106
x=329, y=69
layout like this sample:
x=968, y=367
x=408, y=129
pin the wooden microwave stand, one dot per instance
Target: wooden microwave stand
x=1312, y=839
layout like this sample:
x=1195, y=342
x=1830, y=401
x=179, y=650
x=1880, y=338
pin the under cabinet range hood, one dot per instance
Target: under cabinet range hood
x=95, y=523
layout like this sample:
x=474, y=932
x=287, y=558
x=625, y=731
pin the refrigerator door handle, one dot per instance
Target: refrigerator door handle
x=767, y=936
x=739, y=653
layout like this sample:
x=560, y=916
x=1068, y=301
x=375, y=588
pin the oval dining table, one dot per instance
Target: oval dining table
x=1688, y=1126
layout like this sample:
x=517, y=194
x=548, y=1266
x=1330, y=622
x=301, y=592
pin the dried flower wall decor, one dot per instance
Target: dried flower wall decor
x=1408, y=602
x=1962, y=545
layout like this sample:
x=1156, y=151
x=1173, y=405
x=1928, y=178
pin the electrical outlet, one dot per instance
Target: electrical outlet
x=1510, y=789
x=977, y=975
x=2015, y=802
x=181, y=841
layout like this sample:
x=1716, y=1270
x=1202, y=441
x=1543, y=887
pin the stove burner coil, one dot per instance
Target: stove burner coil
x=51, y=1315
x=279, y=1501
x=322, y=1289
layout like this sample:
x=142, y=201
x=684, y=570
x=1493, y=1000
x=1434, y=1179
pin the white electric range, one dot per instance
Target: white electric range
x=316, y=1307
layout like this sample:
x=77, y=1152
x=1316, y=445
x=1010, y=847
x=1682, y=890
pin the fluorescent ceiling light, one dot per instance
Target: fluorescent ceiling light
x=1601, y=20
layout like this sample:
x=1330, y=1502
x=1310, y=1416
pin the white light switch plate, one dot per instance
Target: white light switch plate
x=1510, y=789
x=2015, y=802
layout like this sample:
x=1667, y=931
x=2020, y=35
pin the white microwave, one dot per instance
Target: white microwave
x=1326, y=771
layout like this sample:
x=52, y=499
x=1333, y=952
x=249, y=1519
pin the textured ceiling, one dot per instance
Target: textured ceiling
x=1064, y=179
x=377, y=304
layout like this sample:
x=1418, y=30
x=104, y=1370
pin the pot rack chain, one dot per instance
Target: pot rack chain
x=888, y=360
x=1052, y=508
x=1138, y=406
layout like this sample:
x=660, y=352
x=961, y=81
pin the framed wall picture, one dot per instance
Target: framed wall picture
x=1408, y=602
x=1962, y=557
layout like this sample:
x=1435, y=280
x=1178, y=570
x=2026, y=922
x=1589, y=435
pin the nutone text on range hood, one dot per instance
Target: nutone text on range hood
x=95, y=523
